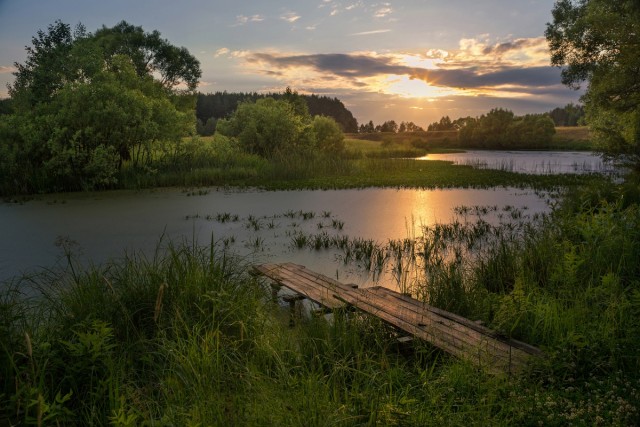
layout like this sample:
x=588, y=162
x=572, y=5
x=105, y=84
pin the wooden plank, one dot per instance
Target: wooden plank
x=473, y=330
x=289, y=275
x=458, y=319
x=322, y=280
x=453, y=333
x=481, y=353
x=418, y=313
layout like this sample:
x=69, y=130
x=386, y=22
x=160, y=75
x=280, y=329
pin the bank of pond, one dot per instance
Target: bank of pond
x=144, y=311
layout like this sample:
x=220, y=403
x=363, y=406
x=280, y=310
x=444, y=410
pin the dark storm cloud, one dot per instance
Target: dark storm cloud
x=357, y=66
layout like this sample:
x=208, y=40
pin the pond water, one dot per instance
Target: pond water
x=533, y=162
x=255, y=224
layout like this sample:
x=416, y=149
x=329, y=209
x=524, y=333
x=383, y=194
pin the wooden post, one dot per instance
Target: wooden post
x=295, y=312
x=275, y=288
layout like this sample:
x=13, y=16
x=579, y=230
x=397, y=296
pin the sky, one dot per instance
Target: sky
x=402, y=60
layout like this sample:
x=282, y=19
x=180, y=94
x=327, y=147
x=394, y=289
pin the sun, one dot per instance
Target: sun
x=415, y=88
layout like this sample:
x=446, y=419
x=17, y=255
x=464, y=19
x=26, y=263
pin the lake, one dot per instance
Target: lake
x=533, y=162
x=254, y=224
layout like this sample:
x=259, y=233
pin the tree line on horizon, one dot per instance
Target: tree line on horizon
x=569, y=115
x=212, y=107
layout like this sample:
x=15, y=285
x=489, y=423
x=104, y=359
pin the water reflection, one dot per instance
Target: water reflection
x=533, y=162
x=261, y=225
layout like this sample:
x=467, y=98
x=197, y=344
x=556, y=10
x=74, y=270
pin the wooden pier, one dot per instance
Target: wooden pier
x=454, y=334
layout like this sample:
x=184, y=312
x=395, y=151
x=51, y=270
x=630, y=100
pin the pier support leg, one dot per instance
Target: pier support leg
x=295, y=309
x=275, y=288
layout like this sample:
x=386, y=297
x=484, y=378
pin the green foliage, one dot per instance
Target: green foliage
x=46, y=68
x=220, y=105
x=569, y=115
x=277, y=128
x=445, y=123
x=150, y=54
x=329, y=138
x=206, y=129
x=83, y=106
x=187, y=337
x=266, y=127
x=502, y=129
x=596, y=41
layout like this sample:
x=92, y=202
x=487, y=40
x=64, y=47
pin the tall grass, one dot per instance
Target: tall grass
x=186, y=337
x=217, y=161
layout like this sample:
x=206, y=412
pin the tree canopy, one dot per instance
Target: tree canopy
x=500, y=128
x=221, y=105
x=83, y=103
x=597, y=41
x=569, y=115
x=270, y=127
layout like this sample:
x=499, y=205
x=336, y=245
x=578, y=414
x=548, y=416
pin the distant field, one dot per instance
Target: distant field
x=566, y=138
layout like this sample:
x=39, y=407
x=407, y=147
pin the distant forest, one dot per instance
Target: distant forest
x=569, y=115
x=213, y=106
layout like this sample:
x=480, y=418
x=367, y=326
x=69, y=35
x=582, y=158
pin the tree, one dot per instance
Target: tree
x=596, y=41
x=444, y=124
x=369, y=127
x=220, y=105
x=46, y=67
x=206, y=129
x=389, y=126
x=150, y=54
x=569, y=115
x=265, y=127
x=81, y=110
x=329, y=138
x=500, y=128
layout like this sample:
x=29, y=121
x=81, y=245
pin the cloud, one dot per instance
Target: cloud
x=222, y=51
x=290, y=17
x=518, y=52
x=345, y=65
x=242, y=19
x=359, y=66
x=366, y=33
x=478, y=75
x=383, y=11
x=353, y=5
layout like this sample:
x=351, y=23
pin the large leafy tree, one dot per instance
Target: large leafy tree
x=598, y=42
x=84, y=104
x=279, y=127
x=150, y=54
x=266, y=127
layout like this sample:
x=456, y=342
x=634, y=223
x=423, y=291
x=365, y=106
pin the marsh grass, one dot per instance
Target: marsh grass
x=365, y=164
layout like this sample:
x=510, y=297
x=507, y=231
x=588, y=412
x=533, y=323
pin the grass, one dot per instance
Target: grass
x=364, y=164
x=207, y=161
x=187, y=337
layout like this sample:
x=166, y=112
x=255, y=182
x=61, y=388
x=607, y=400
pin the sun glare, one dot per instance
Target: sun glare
x=421, y=62
x=414, y=88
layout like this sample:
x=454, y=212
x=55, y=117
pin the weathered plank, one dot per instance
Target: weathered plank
x=306, y=283
x=453, y=333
